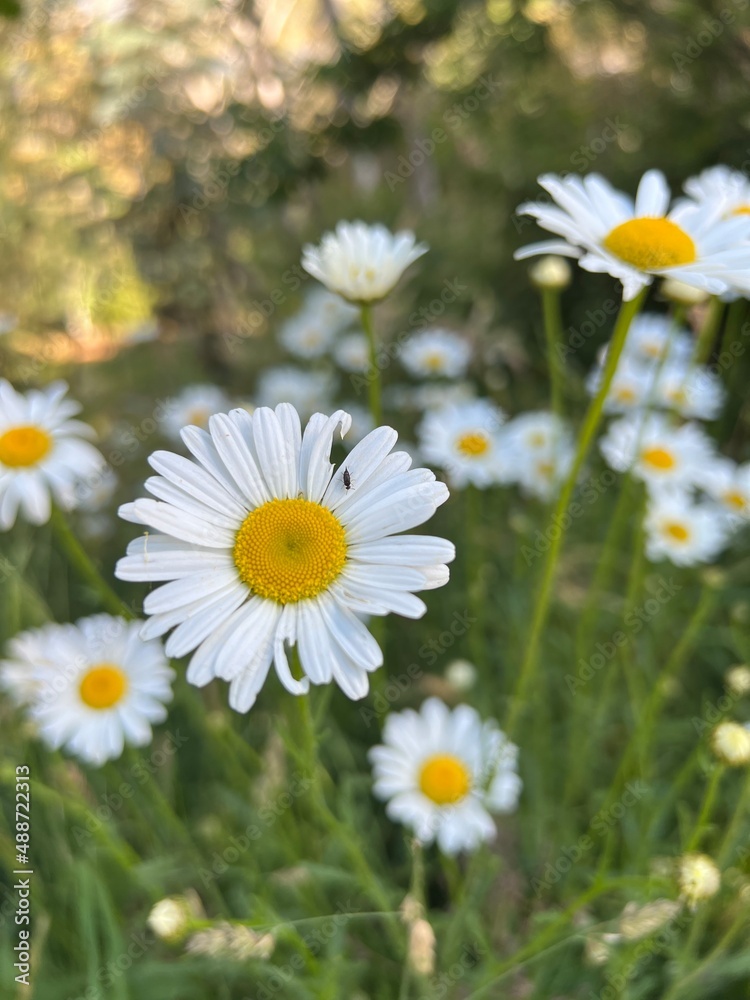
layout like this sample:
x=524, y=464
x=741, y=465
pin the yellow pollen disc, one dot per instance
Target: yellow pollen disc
x=677, y=531
x=742, y=210
x=735, y=499
x=473, y=444
x=198, y=416
x=625, y=395
x=651, y=244
x=545, y=469
x=290, y=550
x=536, y=439
x=444, y=779
x=434, y=362
x=103, y=686
x=23, y=446
x=658, y=458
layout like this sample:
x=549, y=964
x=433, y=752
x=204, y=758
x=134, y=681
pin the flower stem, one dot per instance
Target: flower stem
x=81, y=562
x=590, y=426
x=553, y=334
x=707, y=335
x=373, y=375
x=709, y=800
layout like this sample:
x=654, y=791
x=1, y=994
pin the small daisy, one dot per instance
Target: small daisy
x=634, y=241
x=729, y=485
x=361, y=263
x=263, y=547
x=311, y=391
x=540, y=452
x=699, y=878
x=658, y=452
x=331, y=309
x=630, y=389
x=464, y=439
x=44, y=454
x=690, y=390
x=442, y=773
x=684, y=532
x=731, y=744
x=726, y=190
x=97, y=685
x=352, y=352
x=653, y=338
x=193, y=406
x=307, y=335
x=436, y=353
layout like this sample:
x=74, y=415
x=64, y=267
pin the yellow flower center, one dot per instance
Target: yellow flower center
x=473, y=444
x=536, y=439
x=23, y=446
x=444, y=779
x=103, y=686
x=735, y=499
x=198, y=416
x=741, y=210
x=625, y=395
x=290, y=550
x=677, y=531
x=650, y=244
x=658, y=458
x=434, y=362
x=545, y=469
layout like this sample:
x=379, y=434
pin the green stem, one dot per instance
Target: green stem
x=83, y=565
x=709, y=800
x=553, y=334
x=590, y=426
x=723, y=944
x=707, y=334
x=373, y=375
x=475, y=554
x=731, y=835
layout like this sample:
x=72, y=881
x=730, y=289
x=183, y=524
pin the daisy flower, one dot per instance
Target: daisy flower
x=436, y=352
x=18, y=671
x=331, y=309
x=653, y=338
x=44, y=454
x=721, y=188
x=630, y=389
x=193, y=405
x=352, y=352
x=658, y=452
x=699, y=878
x=465, y=440
x=264, y=546
x=442, y=774
x=540, y=452
x=311, y=391
x=634, y=241
x=690, y=390
x=428, y=396
x=96, y=685
x=729, y=485
x=361, y=263
x=362, y=424
x=307, y=335
x=684, y=532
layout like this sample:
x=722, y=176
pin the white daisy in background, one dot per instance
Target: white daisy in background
x=442, y=774
x=436, y=353
x=352, y=352
x=634, y=241
x=18, y=671
x=699, y=878
x=362, y=424
x=465, y=440
x=362, y=263
x=659, y=452
x=97, y=685
x=43, y=453
x=331, y=309
x=729, y=485
x=682, y=531
x=428, y=396
x=720, y=187
x=265, y=547
x=690, y=390
x=193, y=405
x=653, y=338
x=630, y=389
x=94, y=496
x=540, y=452
x=311, y=391
x=307, y=335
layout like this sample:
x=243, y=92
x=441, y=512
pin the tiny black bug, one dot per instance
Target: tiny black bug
x=347, y=480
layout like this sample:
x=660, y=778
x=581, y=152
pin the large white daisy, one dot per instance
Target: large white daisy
x=361, y=263
x=637, y=240
x=442, y=773
x=266, y=546
x=93, y=686
x=43, y=453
